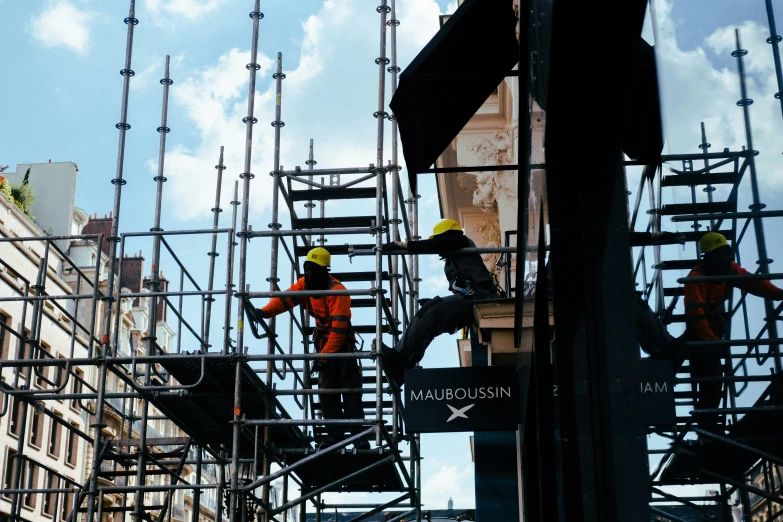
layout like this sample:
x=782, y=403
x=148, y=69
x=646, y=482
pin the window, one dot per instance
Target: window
x=61, y=374
x=42, y=372
x=5, y=337
x=30, y=482
x=66, y=500
x=15, y=421
x=77, y=388
x=36, y=428
x=8, y=476
x=72, y=449
x=50, y=498
x=55, y=429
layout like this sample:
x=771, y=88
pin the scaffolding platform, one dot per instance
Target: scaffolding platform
x=331, y=468
x=760, y=429
x=206, y=412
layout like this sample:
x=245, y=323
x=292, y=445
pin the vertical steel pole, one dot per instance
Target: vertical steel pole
x=395, y=169
x=273, y=279
x=758, y=226
x=774, y=39
x=216, y=210
x=16, y=498
x=379, y=171
x=246, y=176
x=709, y=189
x=151, y=338
x=131, y=21
x=310, y=205
x=197, y=490
x=232, y=244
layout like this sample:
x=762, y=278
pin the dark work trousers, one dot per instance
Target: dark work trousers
x=341, y=373
x=440, y=315
x=708, y=362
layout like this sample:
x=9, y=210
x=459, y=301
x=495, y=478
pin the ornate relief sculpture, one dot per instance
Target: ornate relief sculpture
x=493, y=185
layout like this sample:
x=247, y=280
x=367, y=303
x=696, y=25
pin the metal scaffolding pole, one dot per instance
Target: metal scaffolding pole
x=235, y=491
x=92, y=489
x=379, y=171
x=273, y=279
x=151, y=338
x=758, y=226
x=216, y=210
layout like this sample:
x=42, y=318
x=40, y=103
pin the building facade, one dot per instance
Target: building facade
x=46, y=442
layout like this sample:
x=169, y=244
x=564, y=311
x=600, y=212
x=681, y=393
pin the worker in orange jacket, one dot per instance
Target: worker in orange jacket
x=706, y=319
x=332, y=334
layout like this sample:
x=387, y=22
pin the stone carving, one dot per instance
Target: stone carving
x=494, y=185
x=467, y=182
x=489, y=232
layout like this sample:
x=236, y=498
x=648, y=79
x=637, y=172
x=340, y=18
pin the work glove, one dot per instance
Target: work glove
x=255, y=313
x=392, y=245
x=318, y=366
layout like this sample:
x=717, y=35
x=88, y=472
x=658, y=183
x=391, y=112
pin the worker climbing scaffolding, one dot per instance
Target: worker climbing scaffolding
x=333, y=334
x=469, y=281
x=707, y=319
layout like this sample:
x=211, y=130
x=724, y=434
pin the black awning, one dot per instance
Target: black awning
x=452, y=77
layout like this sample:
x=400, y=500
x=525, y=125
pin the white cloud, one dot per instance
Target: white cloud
x=702, y=85
x=450, y=481
x=330, y=95
x=166, y=12
x=62, y=24
x=154, y=70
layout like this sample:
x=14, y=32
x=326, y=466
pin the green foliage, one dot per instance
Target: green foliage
x=5, y=188
x=21, y=195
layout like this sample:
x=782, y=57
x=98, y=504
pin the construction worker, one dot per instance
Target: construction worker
x=333, y=334
x=706, y=319
x=469, y=280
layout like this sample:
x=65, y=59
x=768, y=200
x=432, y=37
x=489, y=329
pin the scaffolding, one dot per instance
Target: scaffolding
x=742, y=467
x=234, y=404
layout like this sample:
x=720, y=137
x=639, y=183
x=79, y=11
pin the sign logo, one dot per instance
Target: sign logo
x=483, y=398
x=459, y=412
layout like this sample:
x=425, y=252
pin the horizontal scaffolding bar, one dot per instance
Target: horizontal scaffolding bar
x=734, y=342
x=314, y=231
x=727, y=278
x=313, y=422
x=360, y=506
x=154, y=487
x=311, y=293
x=120, y=296
x=46, y=238
x=178, y=232
x=729, y=215
x=155, y=359
x=329, y=391
x=471, y=250
x=325, y=172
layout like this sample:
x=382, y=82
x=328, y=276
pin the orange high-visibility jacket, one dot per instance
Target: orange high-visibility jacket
x=332, y=314
x=703, y=301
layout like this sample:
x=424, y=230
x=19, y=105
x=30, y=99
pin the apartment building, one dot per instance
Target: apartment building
x=46, y=443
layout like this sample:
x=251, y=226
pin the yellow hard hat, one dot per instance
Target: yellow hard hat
x=444, y=225
x=712, y=241
x=319, y=256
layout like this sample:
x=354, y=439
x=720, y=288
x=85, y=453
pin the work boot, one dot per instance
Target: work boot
x=392, y=362
x=363, y=444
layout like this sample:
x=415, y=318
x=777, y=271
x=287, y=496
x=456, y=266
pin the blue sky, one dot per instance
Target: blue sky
x=60, y=65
